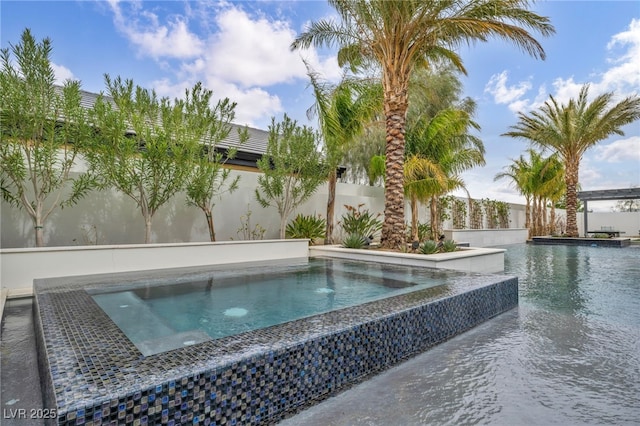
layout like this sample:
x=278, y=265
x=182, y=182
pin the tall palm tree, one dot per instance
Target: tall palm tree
x=571, y=129
x=397, y=36
x=342, y=111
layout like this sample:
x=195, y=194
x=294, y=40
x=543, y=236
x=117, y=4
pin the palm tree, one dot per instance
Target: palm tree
x=398, y=36
x=443, y=141
x=571, y=129
x=519, y=171
x=438, y=139
x=342, y=112
x=539, y=180
x=423, y=178
x=553, y=189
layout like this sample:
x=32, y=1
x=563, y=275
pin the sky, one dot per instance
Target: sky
x=240, y=50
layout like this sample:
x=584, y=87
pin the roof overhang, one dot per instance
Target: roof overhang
x=610, y=194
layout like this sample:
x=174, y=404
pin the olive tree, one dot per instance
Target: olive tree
x=146, y=145
x=43, y=131
x=209, y=178
x=291, y=168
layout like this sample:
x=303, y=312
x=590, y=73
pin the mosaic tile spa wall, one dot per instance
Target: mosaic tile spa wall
x=93, y=375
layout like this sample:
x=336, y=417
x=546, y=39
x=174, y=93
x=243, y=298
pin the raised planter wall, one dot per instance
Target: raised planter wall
x=487, y=237
x=472, y=259
x=19, y=267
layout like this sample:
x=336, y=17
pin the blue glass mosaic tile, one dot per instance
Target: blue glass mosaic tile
x=94, y=375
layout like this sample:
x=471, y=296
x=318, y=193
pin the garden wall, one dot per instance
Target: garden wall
x=109, y=217
x=19, y=267
x=626, y=222
x=487, y=237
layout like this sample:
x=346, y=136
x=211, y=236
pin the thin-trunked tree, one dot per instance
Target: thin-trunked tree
x=397, y=37
x=146, y=145
x=342, y=110
x=291, y=168
x=209, y=178
x=43, y=130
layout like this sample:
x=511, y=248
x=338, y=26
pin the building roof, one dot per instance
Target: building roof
x=251, y=150
x=247, y=153
x=610, y=194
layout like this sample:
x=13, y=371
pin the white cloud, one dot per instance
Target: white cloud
x=62, y=73
x=564, y=90
x=252, y=52
x=238, y=55
x=172, y=39
x=624, y=75
x=509, y=95
x=620, y=150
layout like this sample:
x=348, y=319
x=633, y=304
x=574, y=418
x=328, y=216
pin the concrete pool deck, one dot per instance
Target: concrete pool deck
x=19, y=377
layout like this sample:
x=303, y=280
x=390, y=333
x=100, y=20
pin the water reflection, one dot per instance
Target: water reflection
x=569, y=355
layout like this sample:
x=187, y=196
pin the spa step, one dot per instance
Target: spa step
x=178, y=340
x=134, y=317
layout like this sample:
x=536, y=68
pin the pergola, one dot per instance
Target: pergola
x=606, y=195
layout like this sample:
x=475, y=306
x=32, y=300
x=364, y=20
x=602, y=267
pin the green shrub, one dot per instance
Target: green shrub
x=449, y=246
x=310, y=227
x=424, y=231
x=429, y=247
x=355, y=241
x=360, y=222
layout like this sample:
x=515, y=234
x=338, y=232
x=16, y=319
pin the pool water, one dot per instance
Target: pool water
x=569, y=355
x=157, y=318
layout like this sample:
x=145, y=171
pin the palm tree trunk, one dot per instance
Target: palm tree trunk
x=433, y=215
x=552, y=220
x=527, y=217
x=414, y=218
x=541, y=208
x=545, y=224
x=396, y=103
x=534, y=214
x=331, y=205
x=571, y=181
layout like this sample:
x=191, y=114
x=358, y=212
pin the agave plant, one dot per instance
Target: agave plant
x=449, y=246
x=429, y=247
x=356, y=241
x=303, y=226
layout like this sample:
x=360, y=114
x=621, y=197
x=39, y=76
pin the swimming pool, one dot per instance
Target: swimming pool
x=162, y=316
x=91, y=372
x=568, y=355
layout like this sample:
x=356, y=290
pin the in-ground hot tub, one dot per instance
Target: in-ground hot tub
x=93, y=373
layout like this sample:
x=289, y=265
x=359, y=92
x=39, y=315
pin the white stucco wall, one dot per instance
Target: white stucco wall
x=626, y=222
x=19, y=267
x=109, y=217
x=487, y=237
